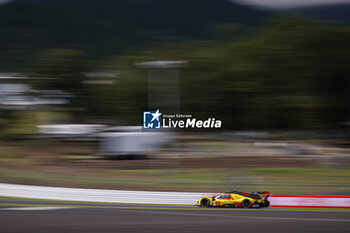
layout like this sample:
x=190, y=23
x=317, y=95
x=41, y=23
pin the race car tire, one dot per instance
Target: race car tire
x=246, y=203
x=205, y=202
x=265, y=204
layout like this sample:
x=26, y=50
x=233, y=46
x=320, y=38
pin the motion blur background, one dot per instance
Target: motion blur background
x=277, y=73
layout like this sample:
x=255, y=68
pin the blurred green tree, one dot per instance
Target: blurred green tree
x=292, y=74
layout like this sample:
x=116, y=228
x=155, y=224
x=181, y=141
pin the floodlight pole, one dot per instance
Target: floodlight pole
x=163, y=84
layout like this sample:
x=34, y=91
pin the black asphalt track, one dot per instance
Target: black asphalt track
x=36, y=216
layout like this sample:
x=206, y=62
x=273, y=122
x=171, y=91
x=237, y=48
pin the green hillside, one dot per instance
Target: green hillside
x=333, y=12
x=107, y=27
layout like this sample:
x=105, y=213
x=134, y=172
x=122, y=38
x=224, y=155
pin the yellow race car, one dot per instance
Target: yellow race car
x=236, y=199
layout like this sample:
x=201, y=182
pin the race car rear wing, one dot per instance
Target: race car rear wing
x=263, y=195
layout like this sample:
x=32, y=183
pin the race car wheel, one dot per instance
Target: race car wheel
x=246, y=203
x=205, y=202
x=267, y=204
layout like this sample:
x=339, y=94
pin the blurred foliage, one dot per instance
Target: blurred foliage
x=60, y=69
x=291, y=74
x=107, y=27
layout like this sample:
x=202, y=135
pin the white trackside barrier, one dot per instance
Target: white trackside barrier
x=310, y=201
x=98, y=195
x=150, y=197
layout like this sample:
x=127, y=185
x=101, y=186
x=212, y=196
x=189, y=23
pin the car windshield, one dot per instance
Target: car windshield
x=224, y=196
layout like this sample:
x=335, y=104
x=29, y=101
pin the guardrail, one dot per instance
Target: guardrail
x=98, y=195
x=151, y=197
x=310, y=201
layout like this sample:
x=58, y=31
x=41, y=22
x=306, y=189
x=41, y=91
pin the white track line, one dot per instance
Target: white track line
x=37, y=208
